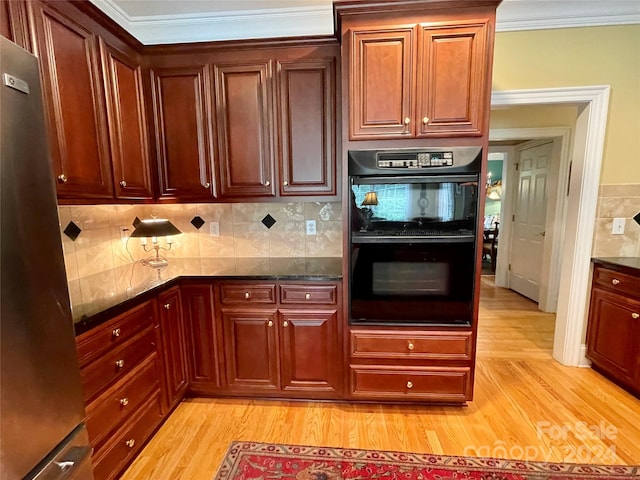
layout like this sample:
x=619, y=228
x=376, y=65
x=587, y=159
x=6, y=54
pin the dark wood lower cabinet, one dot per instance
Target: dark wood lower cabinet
x=613, y=333
x=201, y=338
x=173, y=346
x=251, y=351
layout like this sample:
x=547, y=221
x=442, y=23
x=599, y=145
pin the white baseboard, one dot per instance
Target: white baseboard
x=584, y=362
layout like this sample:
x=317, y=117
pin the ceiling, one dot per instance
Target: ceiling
x=172, y=21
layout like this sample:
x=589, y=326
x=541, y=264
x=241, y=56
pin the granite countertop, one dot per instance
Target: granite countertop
x=628, y=263
x=135, y=282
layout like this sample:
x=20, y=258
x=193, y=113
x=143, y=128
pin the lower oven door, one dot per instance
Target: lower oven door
x=412, y=283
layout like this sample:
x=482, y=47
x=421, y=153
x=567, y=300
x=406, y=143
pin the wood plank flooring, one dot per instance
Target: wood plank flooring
x=526, y=406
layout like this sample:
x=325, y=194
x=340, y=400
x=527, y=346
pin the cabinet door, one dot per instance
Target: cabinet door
x=251, y=350
x=452, y=80
x=15, y=23
x=309, y=355
x=173, y=341
x=127, y=124
x=307, y=122
x=612, y=334
x=245, y=129
x=382, y=79
x=200, y=338
x=181, y=101
x=74, y=106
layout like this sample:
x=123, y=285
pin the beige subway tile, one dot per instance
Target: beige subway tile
x=327, y=242
x=287, y=239
x=611, y=207
x=625, y=190
x=323, y=211
x=251, y=240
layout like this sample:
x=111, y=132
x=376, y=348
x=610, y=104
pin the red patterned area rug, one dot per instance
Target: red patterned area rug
x=246, y=461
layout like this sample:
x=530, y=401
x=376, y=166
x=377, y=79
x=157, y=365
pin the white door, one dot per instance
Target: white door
x=530, y=206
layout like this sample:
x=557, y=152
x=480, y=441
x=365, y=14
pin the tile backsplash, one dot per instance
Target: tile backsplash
x=100, y=255
x=617, y=201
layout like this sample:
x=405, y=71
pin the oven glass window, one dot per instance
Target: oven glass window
x=410, y=278
x=429, y=202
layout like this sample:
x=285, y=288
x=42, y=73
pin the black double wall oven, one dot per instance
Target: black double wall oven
x=413, y=234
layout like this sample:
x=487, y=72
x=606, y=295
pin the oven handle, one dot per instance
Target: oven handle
x=414, y=179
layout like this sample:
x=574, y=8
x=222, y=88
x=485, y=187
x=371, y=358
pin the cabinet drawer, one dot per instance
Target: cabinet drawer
x=311, y=294
x=109, y=461
x=418, y=345
x=616, y=281
x=234, y=294
x=114, y=365
x=438, y=384
x=109, y=410
x=115, y=332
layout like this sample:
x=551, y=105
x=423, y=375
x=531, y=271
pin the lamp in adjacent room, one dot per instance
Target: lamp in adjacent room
x=154, y=228
x=370, y=200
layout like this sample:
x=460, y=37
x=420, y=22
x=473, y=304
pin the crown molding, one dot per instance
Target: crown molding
x=512, y=15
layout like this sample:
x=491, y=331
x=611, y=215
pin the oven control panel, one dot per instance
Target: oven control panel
x=415, y=160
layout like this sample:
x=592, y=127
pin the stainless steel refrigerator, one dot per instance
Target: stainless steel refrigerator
x=41, y=409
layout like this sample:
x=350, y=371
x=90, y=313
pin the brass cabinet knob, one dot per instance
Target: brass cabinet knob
x=63, y=178
x=285, y=324
x=425, y=120
x=247, y=295
x=407, y=120
x=267, y=183
x=167, y=306
x=120, y=363
x=130, y=443
x=615, y=281
x=411, y=346
x=285, y=183
x=635, y=315
x=123, y=183
x=270, y=323
x=307, y=296
x=207, y=185
x=124, y=401
x=409, y=384
x=115, y=333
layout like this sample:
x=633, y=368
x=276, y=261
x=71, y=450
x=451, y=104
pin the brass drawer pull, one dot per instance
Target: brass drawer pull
x=411, y=346
x=123, y=184
x=120, y=363
x=247, y=295
x=615, y=281
x=409, y=384
x=270, y=323
x=307, y=296
x=124, y=401
x=62, y=178
x=116, y=332
x=167, y=306
x=285, y=324
x=635, y=315
x=130, y=443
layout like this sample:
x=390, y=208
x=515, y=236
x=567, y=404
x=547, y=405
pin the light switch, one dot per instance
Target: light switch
x=311, y=227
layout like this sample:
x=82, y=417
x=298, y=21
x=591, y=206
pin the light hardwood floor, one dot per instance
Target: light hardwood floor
x=526, y=406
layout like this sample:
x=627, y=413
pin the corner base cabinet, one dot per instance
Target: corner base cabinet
x=613, y=333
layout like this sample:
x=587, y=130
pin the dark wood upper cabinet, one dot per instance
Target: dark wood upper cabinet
x=426, y=80
x=306, y=126
x=74, y=105
x=127, y=123
x=452, y=80
x=15, y=23
x=245, y=125
x=182, y=106
x=382, y=83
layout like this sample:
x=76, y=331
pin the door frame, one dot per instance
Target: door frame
x=581, y=203
x=556, y=216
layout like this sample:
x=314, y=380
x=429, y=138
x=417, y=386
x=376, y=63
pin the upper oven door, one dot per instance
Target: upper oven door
x=427, y=208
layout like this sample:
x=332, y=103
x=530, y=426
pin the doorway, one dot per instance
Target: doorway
x=581, y=177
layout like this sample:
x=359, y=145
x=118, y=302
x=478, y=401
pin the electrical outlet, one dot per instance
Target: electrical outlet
x=125, y=232
x=214, y=229
x=311, y=227
x=617, y=227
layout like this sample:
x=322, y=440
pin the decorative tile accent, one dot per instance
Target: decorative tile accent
x=72, y=231
x=136, y=222
x=197, y=222
x=637, y=218
x=268, y=221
